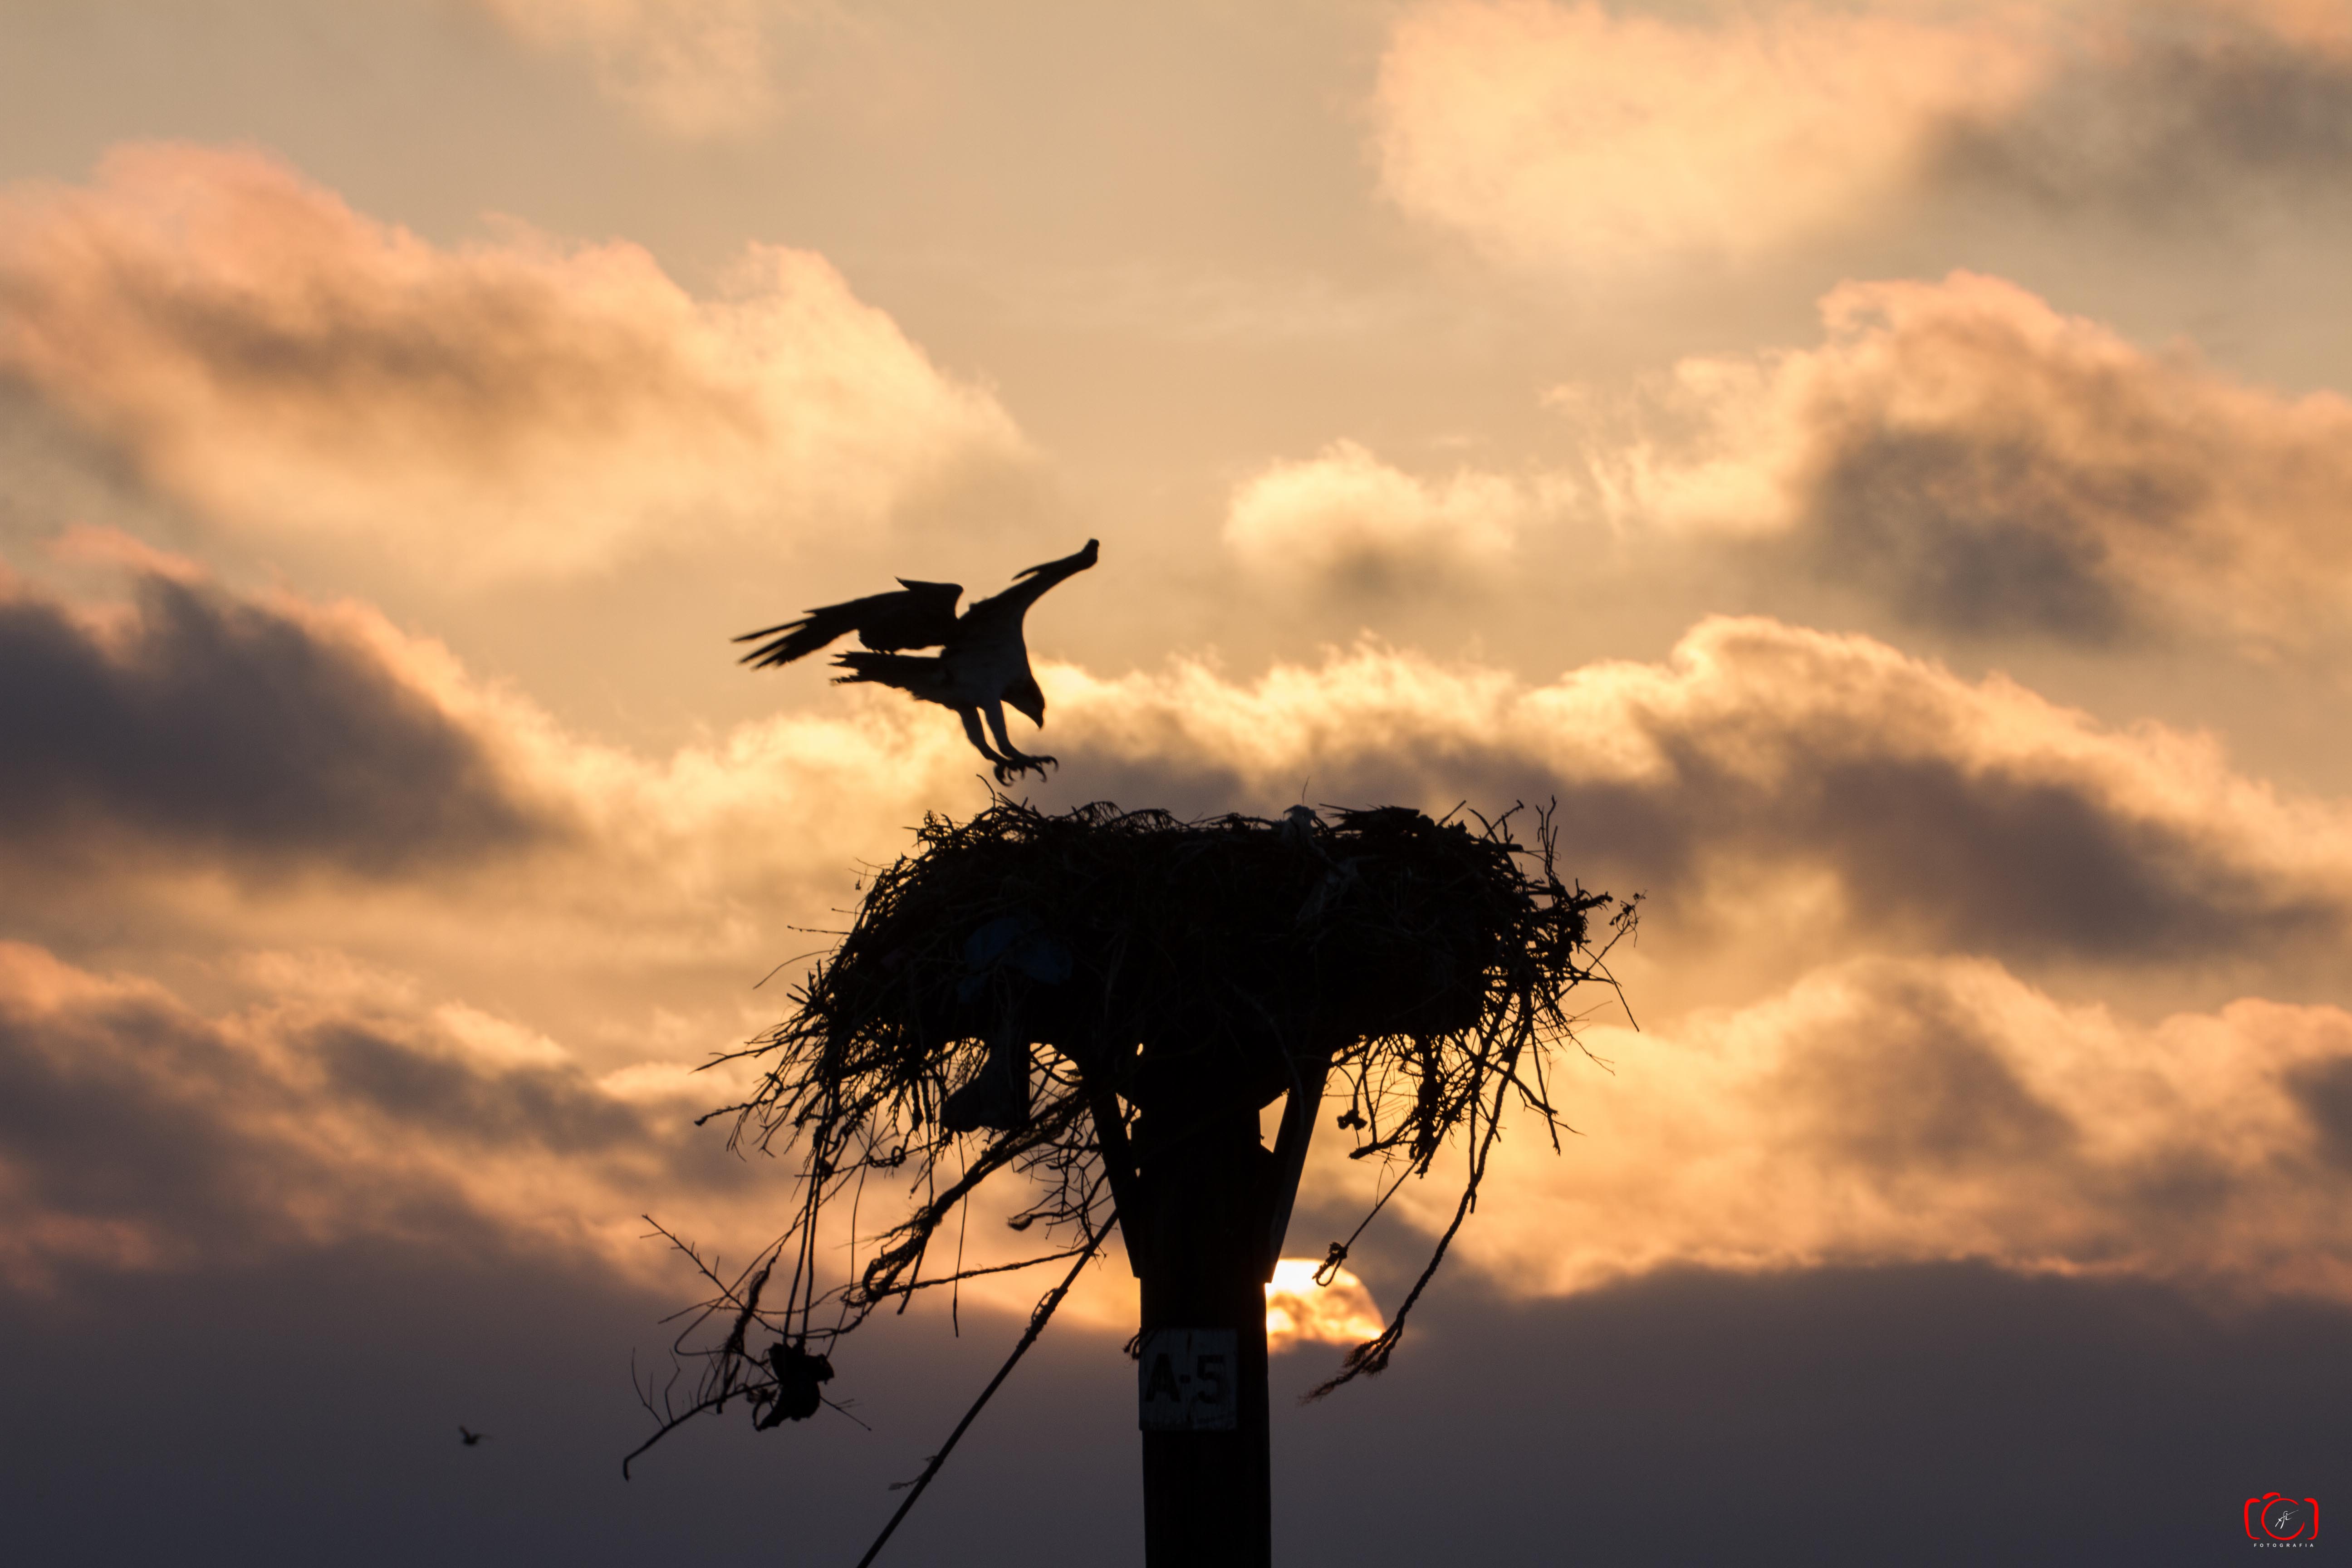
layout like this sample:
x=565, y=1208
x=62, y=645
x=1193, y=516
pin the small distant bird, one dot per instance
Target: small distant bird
x=983, y=663
x=470, y=1438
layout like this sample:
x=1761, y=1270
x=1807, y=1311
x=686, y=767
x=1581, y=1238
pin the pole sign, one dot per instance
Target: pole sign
x=1186, y=1380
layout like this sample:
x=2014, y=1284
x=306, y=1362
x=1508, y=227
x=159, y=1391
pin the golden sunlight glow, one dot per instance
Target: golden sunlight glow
x=1299, y=1310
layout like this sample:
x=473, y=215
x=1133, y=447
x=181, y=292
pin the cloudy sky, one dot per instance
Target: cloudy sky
x=1882, y=467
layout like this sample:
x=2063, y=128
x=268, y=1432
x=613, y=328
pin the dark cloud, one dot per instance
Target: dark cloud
x=309, y=1404
x=1921, y=1084
x=2001, y=861
x=133, y=1127
x=1938, y=1415
x=1952, y=816
x=129, y=1112
x=2177, y=128
x=482, y=362
x=2324, y=1091
x=1935, y=1415
x=1930, y=852
x=1983, y=464
x=1984, y=536
x=555, y=1107
x=1938, y=850
x=215, y=726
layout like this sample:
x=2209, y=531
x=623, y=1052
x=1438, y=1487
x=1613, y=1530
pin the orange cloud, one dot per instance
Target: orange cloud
x=1344, y=521
x=291, y=365
x=1568, y=133
x=1989, y=464
x=1887, y=1110
x=1604, y=139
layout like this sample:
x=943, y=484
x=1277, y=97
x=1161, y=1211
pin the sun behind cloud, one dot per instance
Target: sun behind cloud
x=1299, y=1312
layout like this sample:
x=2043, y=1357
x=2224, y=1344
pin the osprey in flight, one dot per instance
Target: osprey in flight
x=981, y=665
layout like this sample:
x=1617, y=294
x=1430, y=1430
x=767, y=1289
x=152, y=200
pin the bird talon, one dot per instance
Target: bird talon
x=1006, y=771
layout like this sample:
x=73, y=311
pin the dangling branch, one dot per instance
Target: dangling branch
x=1038, y=1319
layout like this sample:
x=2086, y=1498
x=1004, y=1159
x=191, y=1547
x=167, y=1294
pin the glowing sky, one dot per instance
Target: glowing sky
x=1884, y=469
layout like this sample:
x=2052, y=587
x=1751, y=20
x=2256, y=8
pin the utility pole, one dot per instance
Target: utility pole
x=1202, y=1374
x=1204, y=1217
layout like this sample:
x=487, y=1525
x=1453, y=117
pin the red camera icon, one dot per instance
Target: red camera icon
x=2275, y=1516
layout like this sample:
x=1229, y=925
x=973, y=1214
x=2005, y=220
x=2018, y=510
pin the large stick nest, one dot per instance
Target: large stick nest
x=1042, y=975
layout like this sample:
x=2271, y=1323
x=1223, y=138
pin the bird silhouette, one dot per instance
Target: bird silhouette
x=981, y=666
x=470, y=1438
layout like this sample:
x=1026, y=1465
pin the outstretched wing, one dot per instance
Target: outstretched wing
x=999, y=615
x=921, y=614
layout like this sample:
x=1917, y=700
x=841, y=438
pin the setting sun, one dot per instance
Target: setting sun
x=1299, y=1312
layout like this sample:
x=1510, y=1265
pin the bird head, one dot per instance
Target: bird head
x=1027, y=698
x=1079, y=562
